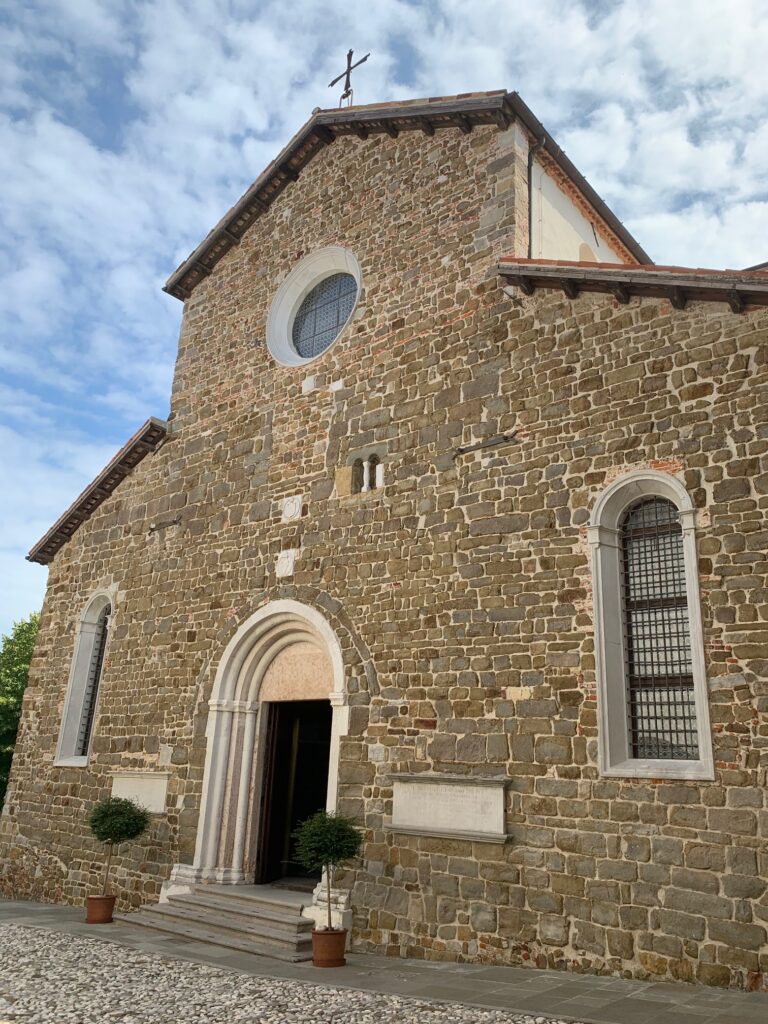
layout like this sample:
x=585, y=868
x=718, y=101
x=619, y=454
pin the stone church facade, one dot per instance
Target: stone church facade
x=469, y=543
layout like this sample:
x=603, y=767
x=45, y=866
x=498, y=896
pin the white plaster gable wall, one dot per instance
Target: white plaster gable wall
x=560, y=229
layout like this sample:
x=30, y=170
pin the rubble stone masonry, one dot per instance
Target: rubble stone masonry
x=460, y=592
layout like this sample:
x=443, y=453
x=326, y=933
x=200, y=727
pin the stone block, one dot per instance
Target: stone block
x=554, y=930
x=686, y=926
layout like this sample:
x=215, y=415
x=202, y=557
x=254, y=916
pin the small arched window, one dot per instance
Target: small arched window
x=357, y=476
x=373, y=472
x=652, y=693
x=85, y=680
x=367, y=474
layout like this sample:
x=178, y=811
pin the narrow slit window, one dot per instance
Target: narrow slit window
x=93, y=679
x=661, y=705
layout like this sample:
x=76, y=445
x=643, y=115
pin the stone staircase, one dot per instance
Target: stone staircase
x=255, y=919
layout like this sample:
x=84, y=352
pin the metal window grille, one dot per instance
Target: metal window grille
x=92, y=684
x=659, y=674
x=322, y=314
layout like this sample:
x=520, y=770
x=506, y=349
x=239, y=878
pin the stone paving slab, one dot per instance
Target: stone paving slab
x=539, y=996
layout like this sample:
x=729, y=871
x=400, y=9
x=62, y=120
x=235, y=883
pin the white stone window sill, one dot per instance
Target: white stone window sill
x=71, y=762
x=638, y=769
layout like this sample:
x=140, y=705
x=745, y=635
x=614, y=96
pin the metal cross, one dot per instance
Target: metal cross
x=347, y=94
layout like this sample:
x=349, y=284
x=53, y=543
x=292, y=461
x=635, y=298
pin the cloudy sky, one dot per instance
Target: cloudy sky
x=127, y=127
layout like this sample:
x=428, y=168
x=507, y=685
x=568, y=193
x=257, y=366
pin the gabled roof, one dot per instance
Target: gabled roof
x=325, y=126
x=737, y=288
x=144, y=441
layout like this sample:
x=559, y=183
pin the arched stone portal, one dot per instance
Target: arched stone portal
x=286, y=651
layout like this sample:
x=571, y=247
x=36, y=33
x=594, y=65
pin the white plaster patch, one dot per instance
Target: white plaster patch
x=308, y=385
x=292, y=508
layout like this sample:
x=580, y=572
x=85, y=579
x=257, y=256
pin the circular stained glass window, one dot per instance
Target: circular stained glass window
x=322, y=314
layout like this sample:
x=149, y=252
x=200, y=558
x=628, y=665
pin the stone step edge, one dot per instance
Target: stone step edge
x=166, y=912
x=196, y=934
x=207, y=901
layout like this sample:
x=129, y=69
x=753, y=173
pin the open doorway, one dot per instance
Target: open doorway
x=295, y=785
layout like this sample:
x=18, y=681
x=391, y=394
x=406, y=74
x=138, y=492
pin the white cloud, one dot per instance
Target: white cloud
x=127, y=127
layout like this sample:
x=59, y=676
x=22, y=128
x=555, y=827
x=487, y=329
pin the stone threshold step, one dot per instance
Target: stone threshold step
x=282, y=898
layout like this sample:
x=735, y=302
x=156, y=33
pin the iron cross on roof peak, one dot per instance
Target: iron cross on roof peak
x=346, y=75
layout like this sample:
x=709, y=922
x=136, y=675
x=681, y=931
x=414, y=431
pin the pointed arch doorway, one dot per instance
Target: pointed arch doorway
x=276, y=714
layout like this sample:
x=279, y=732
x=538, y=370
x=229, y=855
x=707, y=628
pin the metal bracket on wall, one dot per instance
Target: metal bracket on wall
x=491, y=442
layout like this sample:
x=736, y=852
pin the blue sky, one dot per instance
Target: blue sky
x=127, y=127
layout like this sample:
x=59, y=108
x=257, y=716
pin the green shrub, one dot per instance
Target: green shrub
x=15, y=655
x=116, y=820
x=324, y=842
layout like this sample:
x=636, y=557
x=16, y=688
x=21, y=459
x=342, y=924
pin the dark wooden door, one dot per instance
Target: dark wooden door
x=295, y=779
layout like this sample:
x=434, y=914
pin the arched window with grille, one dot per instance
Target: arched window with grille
x=85, y=679
x=652, y=696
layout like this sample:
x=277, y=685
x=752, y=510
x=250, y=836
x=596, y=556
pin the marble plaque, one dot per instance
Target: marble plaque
x=285, y=562
x=448, y=805
x=146, y=788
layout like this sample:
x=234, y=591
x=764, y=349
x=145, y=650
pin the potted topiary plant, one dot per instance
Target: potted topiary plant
x=113, y=821
x=324, y=842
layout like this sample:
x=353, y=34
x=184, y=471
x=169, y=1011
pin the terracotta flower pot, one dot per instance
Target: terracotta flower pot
x=98, y=909
x=328, y=947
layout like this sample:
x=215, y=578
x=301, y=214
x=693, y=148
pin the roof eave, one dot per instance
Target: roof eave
x=737, y=289
x=464, y=112
x=145, y=440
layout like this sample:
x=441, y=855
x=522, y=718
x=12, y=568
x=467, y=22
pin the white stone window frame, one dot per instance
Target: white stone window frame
x=309, y=273
x=604, y=535
x=74, y=702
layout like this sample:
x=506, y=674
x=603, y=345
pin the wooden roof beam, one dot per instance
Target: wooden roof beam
x=678, y=298
x=526, y=285
x=464, y=123
x=427, y=127
x=324, y=133
x=570, y=288
x=735, y=301
x=620, y=293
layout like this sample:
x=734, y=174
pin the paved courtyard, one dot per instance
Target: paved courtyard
x=54, y=969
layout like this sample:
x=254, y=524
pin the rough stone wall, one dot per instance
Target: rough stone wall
x=460, y=593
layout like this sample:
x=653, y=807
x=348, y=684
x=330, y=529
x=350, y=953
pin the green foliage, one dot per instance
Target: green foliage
x=15, y=656
x=115, y=820
x=326, y=841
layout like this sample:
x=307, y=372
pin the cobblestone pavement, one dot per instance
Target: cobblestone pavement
x=48, y=978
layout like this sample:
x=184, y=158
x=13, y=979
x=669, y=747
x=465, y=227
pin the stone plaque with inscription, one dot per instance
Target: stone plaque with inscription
x=448, y=805
x=146, y=788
